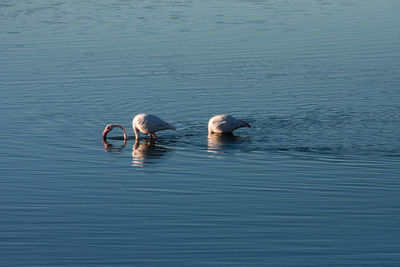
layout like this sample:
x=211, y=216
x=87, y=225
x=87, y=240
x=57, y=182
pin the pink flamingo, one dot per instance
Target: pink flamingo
x=144, y=123
x=109, y=128
x=149, y=124
x=225, y=124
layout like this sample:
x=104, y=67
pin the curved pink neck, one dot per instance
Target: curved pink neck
x=137, y=135
x=119, y=126
x=123, y=130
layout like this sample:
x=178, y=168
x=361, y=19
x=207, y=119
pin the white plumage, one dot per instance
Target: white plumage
x=149, y=124
x=225, y=124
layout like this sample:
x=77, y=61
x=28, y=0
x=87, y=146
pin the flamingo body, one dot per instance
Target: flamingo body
x=225, y=124
x=149, y=124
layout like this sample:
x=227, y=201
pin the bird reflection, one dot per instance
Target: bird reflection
x=144, y=152
x=109, y=147
x=217, y=141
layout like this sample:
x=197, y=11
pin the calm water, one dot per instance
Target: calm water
x=314, y=182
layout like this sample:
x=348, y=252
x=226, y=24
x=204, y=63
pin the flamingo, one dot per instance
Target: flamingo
x=225, y=124
x=109, y=128
x=149, y=124
x=144, y=123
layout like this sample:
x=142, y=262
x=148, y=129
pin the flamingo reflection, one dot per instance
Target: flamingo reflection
x=109, y=147
x=220, y=143
x=146, y=152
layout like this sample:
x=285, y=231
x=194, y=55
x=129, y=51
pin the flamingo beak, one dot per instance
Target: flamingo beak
x=247, y=124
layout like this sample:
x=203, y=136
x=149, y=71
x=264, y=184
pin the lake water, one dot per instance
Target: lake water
x=314, y=182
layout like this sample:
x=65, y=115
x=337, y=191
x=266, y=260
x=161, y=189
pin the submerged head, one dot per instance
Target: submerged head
x=110, y=127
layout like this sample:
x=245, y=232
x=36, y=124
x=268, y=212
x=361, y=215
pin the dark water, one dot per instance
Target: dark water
x=314, y=182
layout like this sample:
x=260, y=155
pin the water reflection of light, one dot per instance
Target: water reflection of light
x=109, y=147
x=216, y=142
x=146, y=152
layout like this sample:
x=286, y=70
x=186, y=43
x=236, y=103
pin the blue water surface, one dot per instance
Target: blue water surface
x=314, y=182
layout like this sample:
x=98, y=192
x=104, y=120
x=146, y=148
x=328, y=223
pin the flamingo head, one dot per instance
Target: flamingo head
x=110, y=127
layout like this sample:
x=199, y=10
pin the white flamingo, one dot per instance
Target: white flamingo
x=144, y=123
x=149, y=124
x=225, y=124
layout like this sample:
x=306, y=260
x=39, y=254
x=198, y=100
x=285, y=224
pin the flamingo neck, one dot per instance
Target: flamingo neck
x=123, y=130
x=115, y=125
x=136, y=132
x=105, y=136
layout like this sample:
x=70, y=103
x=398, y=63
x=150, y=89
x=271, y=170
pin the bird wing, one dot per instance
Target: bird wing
x=155, y=124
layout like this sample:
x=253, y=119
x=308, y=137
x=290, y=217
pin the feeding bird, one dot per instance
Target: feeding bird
x=225, y=124
x=110, y=127
x=149, y=124
x=144, y=123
